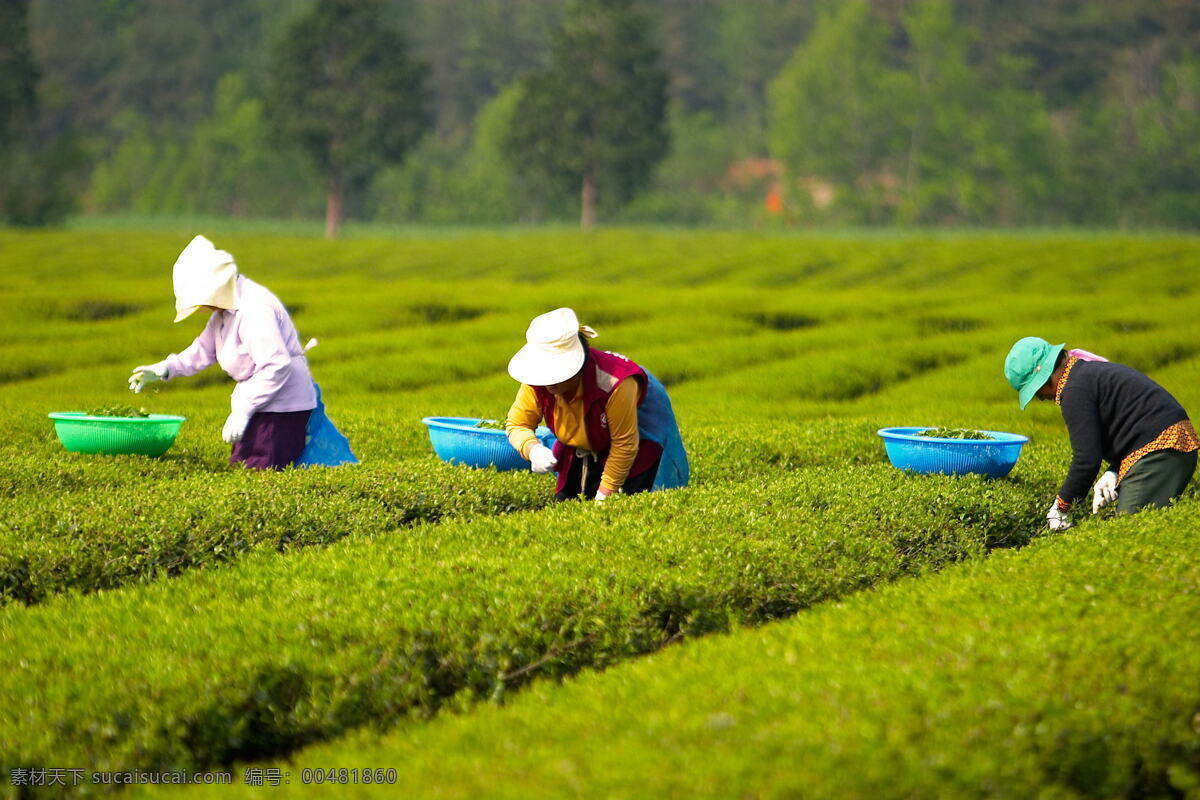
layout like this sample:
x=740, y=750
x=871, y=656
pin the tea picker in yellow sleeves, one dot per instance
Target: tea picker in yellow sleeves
x=276, y=415
x=1114, y=414
x=615, y=426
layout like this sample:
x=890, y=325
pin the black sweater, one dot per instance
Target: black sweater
x=1110, y=410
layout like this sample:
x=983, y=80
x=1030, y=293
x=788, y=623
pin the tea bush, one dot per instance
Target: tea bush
x=103, y=537
x=273, y=653
x=81, y=526
x=1066, y=670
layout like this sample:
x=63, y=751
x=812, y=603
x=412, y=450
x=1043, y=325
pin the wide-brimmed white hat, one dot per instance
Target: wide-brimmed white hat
x=204, y=276
x=553, y=352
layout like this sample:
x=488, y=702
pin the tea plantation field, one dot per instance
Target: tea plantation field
x=873, y=634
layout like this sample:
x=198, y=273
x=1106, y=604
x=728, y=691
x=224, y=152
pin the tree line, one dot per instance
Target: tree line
x=767, y=112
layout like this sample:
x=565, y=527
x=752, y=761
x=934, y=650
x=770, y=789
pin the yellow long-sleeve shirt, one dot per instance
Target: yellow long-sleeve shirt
x=571, y=428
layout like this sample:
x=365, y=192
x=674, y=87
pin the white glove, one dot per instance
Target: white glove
x=1105, y=491
x=1057, y=519
x=235, y=427
x=601, y=495
x=541, y=459
x=145, y=375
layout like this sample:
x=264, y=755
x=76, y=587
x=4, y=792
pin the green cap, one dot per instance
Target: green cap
x=1029, y=364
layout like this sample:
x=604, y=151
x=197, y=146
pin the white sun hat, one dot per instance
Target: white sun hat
x=553, y=352
x=204, y=276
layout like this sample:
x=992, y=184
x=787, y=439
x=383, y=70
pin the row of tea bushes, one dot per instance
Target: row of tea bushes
x=101, y=538
x=1066, y=670
x=273, y=653
x=893, y=260
x=79, y=524
x=83, y=523
x=346, y=287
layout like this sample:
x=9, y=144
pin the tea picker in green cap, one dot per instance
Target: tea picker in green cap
x=1114, y=414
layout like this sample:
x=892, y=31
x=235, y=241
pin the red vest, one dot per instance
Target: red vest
x=602, y=373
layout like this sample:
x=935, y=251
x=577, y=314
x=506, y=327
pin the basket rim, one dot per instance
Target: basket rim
x=467, y=425
x=83, y=416
x=905, y=434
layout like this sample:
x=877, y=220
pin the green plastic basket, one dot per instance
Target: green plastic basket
x=148, y=436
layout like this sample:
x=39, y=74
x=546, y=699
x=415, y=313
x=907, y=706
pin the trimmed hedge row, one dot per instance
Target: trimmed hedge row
x=101, y=538
x=916, y=259
x=75, y=523
x=271, y=654
x=1067, y=670
x=81, y=524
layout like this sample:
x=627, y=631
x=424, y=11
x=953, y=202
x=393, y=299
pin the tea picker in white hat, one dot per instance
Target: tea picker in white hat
x=614, y=423
x=251, y=336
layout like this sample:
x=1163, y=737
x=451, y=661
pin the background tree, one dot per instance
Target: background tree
x=1043, y=111
x=834, y=109
x=472, y=181
x=977, y=142
x=595, y=117
x=343, y=87
x=18, y=74
x=754, y=40
x=37, y=161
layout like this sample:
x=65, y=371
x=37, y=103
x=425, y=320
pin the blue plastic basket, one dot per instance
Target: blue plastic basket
x=458, y=441
x=993, y=457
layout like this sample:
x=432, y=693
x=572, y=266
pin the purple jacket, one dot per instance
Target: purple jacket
x=258, y=346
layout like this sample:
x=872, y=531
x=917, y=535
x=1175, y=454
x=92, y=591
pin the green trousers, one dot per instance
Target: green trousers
x=1155, y=480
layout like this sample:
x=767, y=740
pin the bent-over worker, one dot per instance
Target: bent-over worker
x=251, y=336
x=1113, y=414
x=614, y=423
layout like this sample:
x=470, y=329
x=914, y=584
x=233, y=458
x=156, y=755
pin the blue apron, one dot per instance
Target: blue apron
x=656, y=422
x=324, y=444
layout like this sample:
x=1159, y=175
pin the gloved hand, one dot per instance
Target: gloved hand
x=541, y=459
x=235, y=427
x=601, y=495
x=145, y=375
x=1057, y=519
x=1105, y=491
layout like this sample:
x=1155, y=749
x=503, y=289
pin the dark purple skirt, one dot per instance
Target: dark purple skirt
x=273, y=440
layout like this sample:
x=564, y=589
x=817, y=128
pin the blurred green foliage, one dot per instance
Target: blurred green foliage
x=809, y=113
x=37, y=161
x=230, y=166
x=931, y=138
x=594, y=120
x=344, y=91
x=18, y=73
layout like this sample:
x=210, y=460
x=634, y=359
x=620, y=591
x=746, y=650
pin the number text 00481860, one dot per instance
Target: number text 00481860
x=344, y=775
